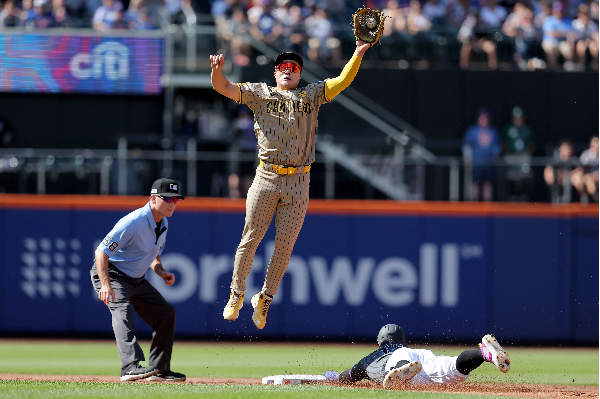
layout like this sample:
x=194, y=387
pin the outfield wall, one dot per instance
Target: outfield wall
x=444, y=271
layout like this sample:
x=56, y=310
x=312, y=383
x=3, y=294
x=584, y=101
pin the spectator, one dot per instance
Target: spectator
x=181, y=12
x=26, y=12
x=134, y=11
x=9, y=16
x=418, y=27
x=322, y=43
x=393, y=11
x=557, y=36
x=281, y=12
x=222, y=10
x=263, y=26
x=585, y=177
x=173, y=7
x=586, y=38
x=473, y=38
x=61, y=15
x=233, y=33
x=78, y=12
x=492, y=15
x=456, y=12
x=435, y=12
x=374, y=4
x=256, y=8
x=41, y=15
x=121, y=21
x=106, y=14
x=144, y=21
x=481, y=145
x=540, y=16
x=416, y=22
x=519, y=25
x=398, y=23
x=556, y=173
x=294, y=31
x=594, y=12
x=541, y=11
x=336, y=9
x=519, y=146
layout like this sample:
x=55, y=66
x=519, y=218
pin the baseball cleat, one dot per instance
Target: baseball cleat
x=232, y=309
x=492, y=352
x=402, y=374
x=167, y=376
x=133, y=371
x=260, y=303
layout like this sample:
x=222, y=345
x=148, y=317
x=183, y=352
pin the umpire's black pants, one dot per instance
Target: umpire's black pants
x=137, y=294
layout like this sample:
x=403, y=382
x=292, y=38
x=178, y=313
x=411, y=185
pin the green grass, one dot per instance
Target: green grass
x=570, y=366
x=59, y=390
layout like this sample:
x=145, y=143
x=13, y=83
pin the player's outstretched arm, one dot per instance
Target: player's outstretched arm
x=334, y=86
x=219, y=82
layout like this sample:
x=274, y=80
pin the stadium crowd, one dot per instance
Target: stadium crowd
x=538, y=34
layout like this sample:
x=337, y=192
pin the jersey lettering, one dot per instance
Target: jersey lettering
x=277, y=106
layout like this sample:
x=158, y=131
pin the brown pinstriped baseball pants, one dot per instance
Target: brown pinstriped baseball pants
x=285, y=196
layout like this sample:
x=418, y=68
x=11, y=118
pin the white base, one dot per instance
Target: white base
x=292, y=379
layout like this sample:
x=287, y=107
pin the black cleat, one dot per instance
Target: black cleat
x=133, y=371
x=167, y=376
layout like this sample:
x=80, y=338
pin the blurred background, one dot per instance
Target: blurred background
x=463, y=100
x=464, y=103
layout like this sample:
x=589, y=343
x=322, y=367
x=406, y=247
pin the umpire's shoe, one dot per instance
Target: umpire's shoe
x=167, y=376
x=492, y=352
x=232, y=309
x=133, y=371
x=260, y=303
x=402, y=374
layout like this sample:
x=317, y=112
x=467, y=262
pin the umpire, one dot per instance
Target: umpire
x=118, y=275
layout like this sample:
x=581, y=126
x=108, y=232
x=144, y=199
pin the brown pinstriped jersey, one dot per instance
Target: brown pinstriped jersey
x=285, y=121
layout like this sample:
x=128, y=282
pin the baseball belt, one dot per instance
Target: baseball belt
x=285, y=170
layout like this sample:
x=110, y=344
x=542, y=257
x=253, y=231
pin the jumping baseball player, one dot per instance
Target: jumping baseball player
x=118, y=275
x=394, y=363
x=285, y=124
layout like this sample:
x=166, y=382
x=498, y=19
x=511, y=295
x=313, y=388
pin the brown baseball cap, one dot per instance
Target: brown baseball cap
x=166, y=188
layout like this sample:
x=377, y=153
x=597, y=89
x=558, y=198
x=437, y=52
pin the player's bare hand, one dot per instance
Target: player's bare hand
x=106, y=294
x=217, y=61
x=361, y=47
x=169, y=278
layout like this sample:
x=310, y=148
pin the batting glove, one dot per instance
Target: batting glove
x=332, y=375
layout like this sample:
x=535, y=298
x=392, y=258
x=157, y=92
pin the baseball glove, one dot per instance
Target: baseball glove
x=368, y=25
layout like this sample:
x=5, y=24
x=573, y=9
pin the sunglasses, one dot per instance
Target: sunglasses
x=295, y=68
x=169, y=199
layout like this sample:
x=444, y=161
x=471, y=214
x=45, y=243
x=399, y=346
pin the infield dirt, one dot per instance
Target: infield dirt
x=518, y=390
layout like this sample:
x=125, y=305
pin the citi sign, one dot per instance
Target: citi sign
x=394, y=281
x=110, y=59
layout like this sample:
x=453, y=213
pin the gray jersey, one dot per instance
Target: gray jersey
x=285, y=121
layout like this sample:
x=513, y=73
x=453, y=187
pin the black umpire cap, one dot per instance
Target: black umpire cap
x=289, y=57
x=166, y=188
x=391, y=333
